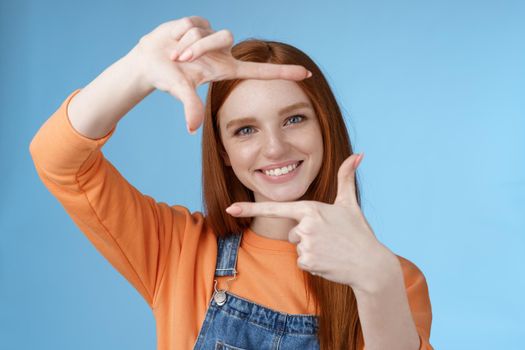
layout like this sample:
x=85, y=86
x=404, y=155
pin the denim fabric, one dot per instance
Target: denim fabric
x=240, y=324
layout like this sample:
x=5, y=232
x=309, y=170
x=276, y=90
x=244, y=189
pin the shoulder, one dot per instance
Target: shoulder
x=190, y=226
x=188, y=217
x=407, y=264
x=411, y=272
x=186, y=211
x=193, y=234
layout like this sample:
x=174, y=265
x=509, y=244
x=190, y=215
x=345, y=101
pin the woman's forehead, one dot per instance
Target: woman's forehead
x=252, y=97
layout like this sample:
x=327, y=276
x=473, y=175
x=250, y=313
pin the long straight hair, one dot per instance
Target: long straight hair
x=335, y=303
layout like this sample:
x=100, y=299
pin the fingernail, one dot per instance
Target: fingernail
x=309, y=74
x=192, y=132
x=185, y=55
x=234, y=210
x=358, y=160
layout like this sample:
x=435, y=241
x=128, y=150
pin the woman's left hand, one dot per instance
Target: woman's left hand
x=335, y=240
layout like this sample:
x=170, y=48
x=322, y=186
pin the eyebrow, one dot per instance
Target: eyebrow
x=282, y=111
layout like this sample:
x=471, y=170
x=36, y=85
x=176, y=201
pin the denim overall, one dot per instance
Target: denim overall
x=235, y=323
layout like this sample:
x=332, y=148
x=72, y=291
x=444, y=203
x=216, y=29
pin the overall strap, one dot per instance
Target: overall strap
x=228, y=247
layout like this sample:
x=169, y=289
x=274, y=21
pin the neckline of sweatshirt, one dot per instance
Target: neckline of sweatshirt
x=252, y=240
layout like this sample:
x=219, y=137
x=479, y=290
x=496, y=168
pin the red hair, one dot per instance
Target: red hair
x=339, y=325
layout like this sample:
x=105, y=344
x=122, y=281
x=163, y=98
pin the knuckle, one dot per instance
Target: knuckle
x=186, y=22
x=301, y=230
x=196, y=17
x=146, y=42
x=145, y=38
x=304, y=262
x=161, y=27
x=300, y=260
x=205, y=21
x=307, y=227
x=227, y=36
x=195, y=33
x=305, y=247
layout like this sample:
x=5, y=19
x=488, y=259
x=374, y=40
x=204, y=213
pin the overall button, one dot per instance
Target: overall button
x=219, y=297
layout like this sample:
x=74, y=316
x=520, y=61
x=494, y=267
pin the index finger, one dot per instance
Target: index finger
x=293, y=210
x=256, y=70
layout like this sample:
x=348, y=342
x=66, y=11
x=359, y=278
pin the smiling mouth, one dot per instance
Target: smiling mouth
x=281, y=171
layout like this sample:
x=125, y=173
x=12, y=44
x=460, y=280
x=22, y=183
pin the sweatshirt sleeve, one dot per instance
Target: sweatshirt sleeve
x=419, y=301
x=131, y=230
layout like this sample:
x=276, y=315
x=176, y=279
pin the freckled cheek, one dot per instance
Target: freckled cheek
x=243, y=157
x=309, y=145
x=312, y=143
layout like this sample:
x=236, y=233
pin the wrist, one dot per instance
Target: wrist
x=134, y=63
x=385, y=270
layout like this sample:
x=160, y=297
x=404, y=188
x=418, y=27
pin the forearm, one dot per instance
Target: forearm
x=98, y=107
x=385, y=315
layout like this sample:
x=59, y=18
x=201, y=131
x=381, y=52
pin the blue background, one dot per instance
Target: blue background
x=433, y=94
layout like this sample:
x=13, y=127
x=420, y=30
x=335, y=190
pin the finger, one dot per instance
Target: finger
x=222, y=39
x=190, y=37
x=175, y=29
x=255, y=70
x=193, y=107
x=346, y=180
x=303, y=262
x=300, y=248
x=294, y=236
x=293, y=210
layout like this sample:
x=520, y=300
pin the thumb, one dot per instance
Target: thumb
x=346, y=180
x=193, y=107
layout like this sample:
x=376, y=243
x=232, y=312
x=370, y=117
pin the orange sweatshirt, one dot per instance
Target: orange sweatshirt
x=164, y=251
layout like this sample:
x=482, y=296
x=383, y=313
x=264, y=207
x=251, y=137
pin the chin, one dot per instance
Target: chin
x=284, y=196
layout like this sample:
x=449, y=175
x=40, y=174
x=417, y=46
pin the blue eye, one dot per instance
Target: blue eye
x=298, y=118
x=248, y=130
x=240, y=131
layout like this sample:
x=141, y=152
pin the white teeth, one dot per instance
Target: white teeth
x=281, y=171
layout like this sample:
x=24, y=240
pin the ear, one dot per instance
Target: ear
x=226, y=158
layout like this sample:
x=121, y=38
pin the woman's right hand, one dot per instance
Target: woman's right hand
x=211, y=60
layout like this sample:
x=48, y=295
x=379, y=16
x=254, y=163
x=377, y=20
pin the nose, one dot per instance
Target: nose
x=275, y=145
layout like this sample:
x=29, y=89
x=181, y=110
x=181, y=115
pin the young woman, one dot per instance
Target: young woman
x=283, y=257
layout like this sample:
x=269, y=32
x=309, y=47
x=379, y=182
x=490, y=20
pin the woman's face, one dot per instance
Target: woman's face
x=272, y=138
